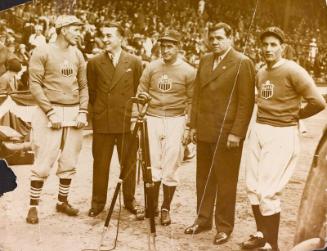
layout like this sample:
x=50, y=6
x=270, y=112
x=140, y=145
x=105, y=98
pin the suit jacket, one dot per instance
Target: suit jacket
x=215, y=99
x=110, y=90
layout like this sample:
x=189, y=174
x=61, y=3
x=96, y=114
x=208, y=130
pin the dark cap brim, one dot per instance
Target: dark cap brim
x=70, y=24
x=76, y=23
x=270, y=33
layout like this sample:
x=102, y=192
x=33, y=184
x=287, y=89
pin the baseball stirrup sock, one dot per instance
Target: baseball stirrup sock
x=274, y=225
x=36, y=189
x=168, y=192
x=258, y=217
x=64, y=185
x=271, y=229
x=156, y=194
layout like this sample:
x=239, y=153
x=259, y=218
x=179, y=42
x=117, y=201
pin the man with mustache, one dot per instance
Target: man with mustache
x=113, y=77
x=57, y=79
x=274, y=138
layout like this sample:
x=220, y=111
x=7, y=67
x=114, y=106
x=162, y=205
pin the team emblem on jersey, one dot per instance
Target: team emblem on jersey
x=66, y=69
x=165, y=83
x=267, y=90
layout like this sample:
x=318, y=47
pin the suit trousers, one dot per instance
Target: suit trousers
x=102, y=149
x=217, y=186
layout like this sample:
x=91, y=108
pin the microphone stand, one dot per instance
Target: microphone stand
x=139, y=139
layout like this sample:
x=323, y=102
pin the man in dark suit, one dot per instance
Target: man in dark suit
x=222, y=105
x=113, y=78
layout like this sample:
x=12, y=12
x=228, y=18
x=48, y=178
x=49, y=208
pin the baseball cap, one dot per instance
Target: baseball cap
x=273, y=31
x=170, y=35
x=66, y=20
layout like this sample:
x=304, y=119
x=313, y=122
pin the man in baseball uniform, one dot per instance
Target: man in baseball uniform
x=169, y=81
x=58, y=83
x=274, y=138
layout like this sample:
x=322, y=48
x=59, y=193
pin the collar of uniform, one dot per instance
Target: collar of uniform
x=278, y=63
x=177, y=62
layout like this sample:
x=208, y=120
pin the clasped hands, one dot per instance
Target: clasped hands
x=233, y=141
x=81, y=121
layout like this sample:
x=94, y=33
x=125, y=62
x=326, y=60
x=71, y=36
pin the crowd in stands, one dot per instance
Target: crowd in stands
x=24, y=27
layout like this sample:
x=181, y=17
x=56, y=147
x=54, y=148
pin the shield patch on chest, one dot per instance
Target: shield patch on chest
x=267, y=90
x=66, y=69
x=165, y=83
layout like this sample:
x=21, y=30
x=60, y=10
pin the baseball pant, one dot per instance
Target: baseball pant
x=270, y=162
x=166, y=149
x=48, y=144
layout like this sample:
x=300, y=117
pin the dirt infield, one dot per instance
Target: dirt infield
x=59, y=232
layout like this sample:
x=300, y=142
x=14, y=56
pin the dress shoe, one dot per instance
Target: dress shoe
x=134, y=209
x=220, y=238
x=32, y=217
x=67, y=209
x=165, y=217
x=255, y=241
x=93, y=212
x=268, y=247
x=196, y=229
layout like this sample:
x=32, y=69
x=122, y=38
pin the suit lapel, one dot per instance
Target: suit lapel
x=106, y=66
x=220, y=69
x=207, y=68
x=121, y=68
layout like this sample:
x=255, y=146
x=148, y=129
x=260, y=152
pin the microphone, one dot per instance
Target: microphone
x=142, y=98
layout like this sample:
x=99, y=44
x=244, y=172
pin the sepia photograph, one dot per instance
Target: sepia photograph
x=163, y=125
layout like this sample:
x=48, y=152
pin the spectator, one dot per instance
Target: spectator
x=148, y=18
x=22, y=54
x=3, y=58
x=9, y=81
x=37, y=38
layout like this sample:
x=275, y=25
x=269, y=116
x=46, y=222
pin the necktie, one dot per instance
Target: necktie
x=112, y=59
x=216, y=62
